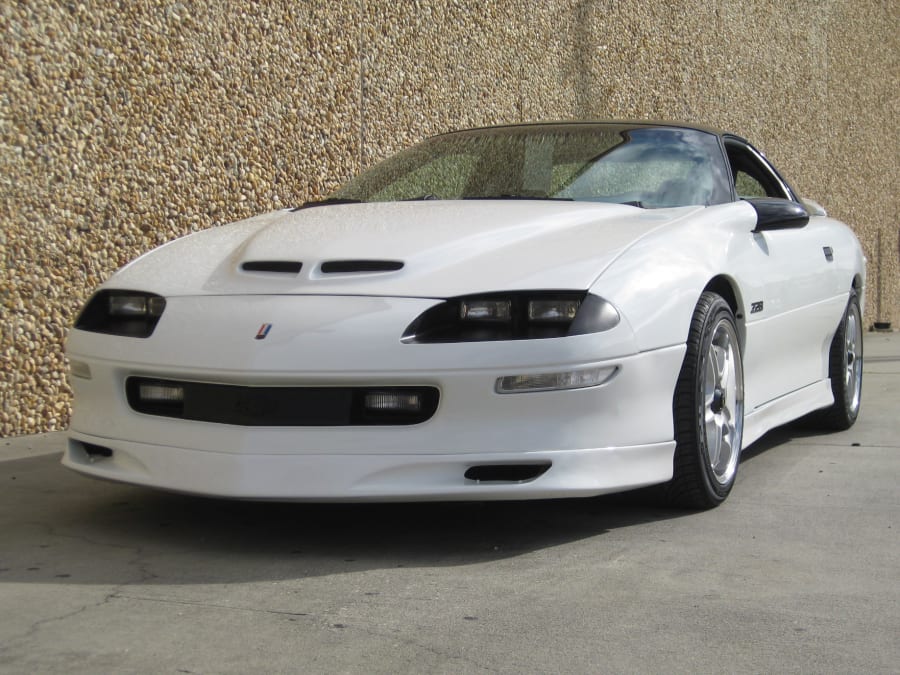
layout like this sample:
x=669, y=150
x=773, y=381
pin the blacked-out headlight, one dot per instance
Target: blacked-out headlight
x=126, y=313
x=523, y=315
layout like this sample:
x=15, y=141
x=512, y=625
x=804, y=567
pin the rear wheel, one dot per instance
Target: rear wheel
x=708, y=409
x=845, y=368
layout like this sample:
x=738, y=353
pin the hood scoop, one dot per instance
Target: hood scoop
x=360, y=266
x=278, y=266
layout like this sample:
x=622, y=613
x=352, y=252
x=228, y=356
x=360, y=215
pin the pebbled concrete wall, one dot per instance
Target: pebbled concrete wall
x=126, y=124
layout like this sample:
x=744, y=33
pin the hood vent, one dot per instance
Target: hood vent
x=279, y=266
x=355, y=266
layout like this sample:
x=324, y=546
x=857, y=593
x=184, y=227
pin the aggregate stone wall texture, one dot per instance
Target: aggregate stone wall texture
x=126, y=124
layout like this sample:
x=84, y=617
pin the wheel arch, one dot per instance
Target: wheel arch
x=858, y=284
x=727, y=288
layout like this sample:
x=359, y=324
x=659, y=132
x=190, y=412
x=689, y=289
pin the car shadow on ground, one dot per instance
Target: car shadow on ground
x=798, y=430
x=58, y=525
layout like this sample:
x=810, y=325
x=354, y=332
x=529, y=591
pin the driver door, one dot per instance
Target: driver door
x=795, y=293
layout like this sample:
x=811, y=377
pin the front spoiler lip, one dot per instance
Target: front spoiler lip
x=370, y=478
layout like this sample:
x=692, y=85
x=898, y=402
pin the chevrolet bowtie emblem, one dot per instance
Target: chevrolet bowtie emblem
x=263, y=331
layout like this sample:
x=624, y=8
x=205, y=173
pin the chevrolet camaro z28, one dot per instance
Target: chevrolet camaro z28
x=531, y=311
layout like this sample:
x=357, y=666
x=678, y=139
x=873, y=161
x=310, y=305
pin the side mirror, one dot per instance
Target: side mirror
x=778, y=214
x=814, y=208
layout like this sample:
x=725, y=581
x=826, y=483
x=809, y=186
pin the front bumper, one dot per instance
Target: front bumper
x=599, y=439
x=382, y=477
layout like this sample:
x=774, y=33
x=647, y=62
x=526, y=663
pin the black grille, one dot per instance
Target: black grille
x=280, y=406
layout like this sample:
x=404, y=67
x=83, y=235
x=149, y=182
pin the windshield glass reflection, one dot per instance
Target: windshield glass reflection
x=641, y=166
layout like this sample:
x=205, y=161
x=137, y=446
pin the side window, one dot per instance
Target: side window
x=747, y=186
x=753, y=176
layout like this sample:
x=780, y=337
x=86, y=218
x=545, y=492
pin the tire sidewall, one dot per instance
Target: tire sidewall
x=844, y=394
x=717, y=312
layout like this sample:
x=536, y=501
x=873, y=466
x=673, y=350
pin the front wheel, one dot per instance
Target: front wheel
x=708, y=409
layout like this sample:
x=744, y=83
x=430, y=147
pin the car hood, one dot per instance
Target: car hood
x=446, y=248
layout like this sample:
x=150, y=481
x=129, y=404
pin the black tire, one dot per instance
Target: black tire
x=708, y=409
x=845, y=368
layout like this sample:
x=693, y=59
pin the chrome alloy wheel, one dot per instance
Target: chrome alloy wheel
x=723, y=402
x=853, y=368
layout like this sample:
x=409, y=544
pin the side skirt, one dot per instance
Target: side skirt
x=786, y=409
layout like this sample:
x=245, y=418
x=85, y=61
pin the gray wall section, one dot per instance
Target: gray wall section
x=124, y=125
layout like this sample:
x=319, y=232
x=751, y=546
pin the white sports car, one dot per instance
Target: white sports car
x=516, y=312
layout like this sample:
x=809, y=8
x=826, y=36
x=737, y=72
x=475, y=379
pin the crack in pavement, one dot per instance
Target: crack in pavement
x=211, y=605
x=137, y=562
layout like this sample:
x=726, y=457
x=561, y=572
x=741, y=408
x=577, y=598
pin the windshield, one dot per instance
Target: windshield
x=641, y=166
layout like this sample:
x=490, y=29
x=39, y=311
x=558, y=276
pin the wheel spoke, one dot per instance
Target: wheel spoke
x=719, y=356
x=727, y=447
x=709, y=383
x=725, y=371
x=714, y=442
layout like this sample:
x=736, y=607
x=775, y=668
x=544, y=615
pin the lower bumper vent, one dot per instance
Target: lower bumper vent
x=506, y=473
x=91, y=451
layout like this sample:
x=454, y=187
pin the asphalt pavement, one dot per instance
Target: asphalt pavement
x=799, y=571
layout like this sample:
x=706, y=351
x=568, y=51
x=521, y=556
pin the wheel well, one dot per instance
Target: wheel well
x=723, y=286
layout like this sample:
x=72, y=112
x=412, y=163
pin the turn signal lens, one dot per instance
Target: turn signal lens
x=571, y=379
x=80, y=369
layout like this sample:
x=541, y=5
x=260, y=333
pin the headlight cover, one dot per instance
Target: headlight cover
x=121, y=312
x=520, y=315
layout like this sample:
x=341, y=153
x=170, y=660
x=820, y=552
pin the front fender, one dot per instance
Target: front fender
x=657, y=282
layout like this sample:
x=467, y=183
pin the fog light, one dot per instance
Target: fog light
x=570, y=379
x=393, y=402
x=150, y=392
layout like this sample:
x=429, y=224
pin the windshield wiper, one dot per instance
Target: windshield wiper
x=420, y=198
x=328, y=202
x=531, y=197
